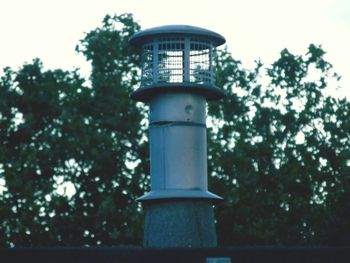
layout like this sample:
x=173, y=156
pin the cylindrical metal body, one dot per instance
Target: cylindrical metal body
x=178, y=147
x=178, y=154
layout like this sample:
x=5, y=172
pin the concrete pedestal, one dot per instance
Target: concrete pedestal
x=179, y=223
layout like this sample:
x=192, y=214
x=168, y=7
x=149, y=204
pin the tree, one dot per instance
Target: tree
x=279, y=153
x=74, y=153
x=59, y=134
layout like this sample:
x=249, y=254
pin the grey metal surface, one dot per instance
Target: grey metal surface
x=146, y=93
x=184, y=107
x=178, y=157
x=170, y=30
x=178, y=148
x=177, y=194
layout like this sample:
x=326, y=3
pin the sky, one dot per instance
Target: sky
x=254, y=29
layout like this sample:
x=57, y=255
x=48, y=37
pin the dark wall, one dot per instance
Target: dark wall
x=135, y=254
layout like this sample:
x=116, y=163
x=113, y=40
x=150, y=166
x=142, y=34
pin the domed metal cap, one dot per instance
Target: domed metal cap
x=175, y=30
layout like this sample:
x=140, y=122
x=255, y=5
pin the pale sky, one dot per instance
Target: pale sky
x=50, y=29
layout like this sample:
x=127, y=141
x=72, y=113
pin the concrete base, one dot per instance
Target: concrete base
x=179, y=223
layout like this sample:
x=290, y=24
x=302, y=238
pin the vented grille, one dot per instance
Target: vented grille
x=178, y=60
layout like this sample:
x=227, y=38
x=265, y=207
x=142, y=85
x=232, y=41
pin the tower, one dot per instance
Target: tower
x=177, y=80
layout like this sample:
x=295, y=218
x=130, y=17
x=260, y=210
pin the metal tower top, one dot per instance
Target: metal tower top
x=177, y=58
x=175, y=30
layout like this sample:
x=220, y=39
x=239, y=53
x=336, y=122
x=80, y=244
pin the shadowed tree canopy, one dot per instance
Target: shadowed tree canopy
x=74, y=153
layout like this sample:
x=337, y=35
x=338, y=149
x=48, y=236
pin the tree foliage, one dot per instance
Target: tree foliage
x=74, y=154
x=58, y=134
x=280, y=153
